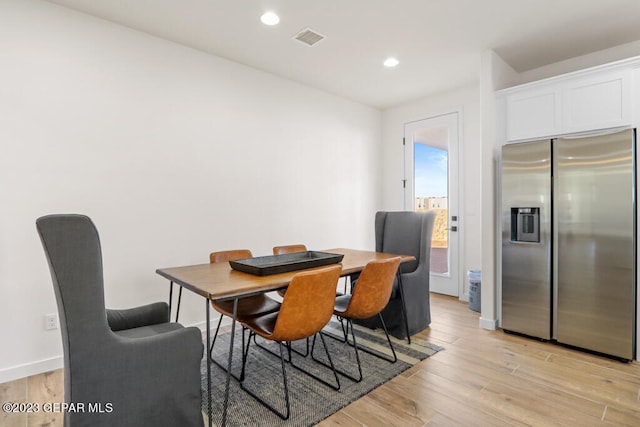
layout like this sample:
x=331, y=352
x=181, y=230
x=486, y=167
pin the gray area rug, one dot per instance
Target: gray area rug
x=311, y=401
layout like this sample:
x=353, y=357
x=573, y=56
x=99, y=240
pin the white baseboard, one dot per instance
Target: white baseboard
x=34, y=368
x=490, y=324
x=226, y=321
x=28, y=369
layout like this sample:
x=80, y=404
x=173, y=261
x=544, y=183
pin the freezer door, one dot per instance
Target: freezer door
x=526, y=255
x=595, y=227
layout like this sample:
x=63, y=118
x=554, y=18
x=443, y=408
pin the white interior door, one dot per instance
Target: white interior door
x=431, y=176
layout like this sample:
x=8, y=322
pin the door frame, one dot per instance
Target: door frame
x=442, y=119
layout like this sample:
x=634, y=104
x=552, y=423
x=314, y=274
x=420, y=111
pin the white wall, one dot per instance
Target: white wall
x=601, y=57
x=466, y=101
x=173, y=153
x=494, y=73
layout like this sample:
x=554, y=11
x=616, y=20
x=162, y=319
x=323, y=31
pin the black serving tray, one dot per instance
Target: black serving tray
x=274, y=264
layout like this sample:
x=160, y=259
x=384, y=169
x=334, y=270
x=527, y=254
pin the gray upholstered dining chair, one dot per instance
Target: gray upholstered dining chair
x=146, y=368
x=406, y=233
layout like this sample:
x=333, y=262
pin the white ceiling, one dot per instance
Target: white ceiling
x=438, y=42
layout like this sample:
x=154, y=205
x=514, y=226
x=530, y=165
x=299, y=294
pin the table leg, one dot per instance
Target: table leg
x=171, y=300
x=170, y=296
x=233, y=332
x=209, y=411
x=404, y=307
x=178, y=307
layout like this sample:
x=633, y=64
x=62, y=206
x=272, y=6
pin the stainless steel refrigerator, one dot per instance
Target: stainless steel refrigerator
x=568, y=241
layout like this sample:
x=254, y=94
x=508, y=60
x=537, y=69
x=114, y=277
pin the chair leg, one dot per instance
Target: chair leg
x=315, y=377
x=404, y=307
x=215, y=336
x=243, y=354
x=306, y=352
x=286, y=388
x=290, y=349
x=326, y=351
x=345, y=330
x=224, y=368
x=393, y=350
x=355, y=346
x=285, y=415
x=393, y=359
x=343, y=373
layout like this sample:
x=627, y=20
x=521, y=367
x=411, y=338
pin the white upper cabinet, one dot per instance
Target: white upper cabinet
x=597, y=102
x=585, y=101
x=534, y=113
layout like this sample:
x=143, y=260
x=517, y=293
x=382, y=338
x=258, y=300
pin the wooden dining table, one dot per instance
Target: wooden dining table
x=218, y=281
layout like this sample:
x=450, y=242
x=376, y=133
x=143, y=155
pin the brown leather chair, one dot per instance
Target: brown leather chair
x=248, y=307
x=287, y=249
x=370, y=296
x=307, y=307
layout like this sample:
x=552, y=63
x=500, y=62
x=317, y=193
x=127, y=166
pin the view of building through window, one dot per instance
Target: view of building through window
x=431, y=194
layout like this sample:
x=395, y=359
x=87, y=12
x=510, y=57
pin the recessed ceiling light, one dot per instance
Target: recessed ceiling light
x=270, y=18
x=391, y=62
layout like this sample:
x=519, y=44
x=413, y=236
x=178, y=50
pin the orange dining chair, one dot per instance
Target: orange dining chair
x=369, y=297
x=287, y=249
x=307, y=307
x=248, y=307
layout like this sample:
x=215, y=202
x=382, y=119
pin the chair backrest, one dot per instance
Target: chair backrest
x=373, y=289
x=287, y=249
x=405, y=233
x=72, y=247
x=308, y=304
x=231, y=255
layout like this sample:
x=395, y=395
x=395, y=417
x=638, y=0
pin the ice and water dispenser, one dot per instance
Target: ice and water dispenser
x=525, y=224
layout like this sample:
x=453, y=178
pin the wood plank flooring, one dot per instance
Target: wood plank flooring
x=43, y=388
x=490, y=378
x=482, y=378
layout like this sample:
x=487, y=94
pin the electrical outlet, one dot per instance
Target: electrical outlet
x=50, y=322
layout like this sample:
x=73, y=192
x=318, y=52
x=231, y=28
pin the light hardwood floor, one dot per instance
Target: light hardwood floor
x=490, y=378
x=481, y=378
x=42, y=388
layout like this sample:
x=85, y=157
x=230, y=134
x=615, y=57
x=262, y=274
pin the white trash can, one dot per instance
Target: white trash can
x=474, y=289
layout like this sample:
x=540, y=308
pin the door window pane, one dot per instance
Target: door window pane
x=431, y=166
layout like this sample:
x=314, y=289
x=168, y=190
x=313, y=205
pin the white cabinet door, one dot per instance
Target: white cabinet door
x=534, y=113
x=597, y=102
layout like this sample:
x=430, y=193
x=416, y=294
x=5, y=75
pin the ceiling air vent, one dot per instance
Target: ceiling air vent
x=309, y=37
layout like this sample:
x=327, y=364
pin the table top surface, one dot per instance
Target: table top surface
x=219, y=280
